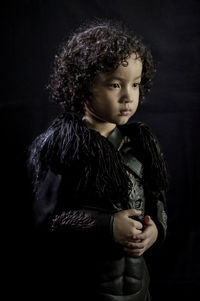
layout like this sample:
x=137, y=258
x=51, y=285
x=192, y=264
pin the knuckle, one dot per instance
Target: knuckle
x=129, y=245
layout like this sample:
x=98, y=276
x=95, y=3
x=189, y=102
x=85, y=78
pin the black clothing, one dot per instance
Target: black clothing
x=81, y=180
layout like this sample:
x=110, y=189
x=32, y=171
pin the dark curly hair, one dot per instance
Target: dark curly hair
x=100, y=46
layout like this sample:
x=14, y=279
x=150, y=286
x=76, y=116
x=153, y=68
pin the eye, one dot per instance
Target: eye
x=114, y=85
x=136, y=85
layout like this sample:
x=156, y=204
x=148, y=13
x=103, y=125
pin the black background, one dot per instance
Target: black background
x=32, y=32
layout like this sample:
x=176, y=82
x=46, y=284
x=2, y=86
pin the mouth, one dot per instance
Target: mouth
x=125, y=112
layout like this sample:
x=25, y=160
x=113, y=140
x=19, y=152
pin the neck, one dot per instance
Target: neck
x=103, y=127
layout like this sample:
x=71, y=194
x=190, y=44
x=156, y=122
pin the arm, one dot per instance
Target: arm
x=147, y=150
x=91, y=227
x=87, y=225
x=156, y=208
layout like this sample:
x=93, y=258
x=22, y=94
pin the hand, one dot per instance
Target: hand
x=125, y=228
x=144, y=240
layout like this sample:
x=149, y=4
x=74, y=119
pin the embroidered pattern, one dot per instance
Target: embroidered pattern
x=73, y=220
x=164, y=218
x=137, y=198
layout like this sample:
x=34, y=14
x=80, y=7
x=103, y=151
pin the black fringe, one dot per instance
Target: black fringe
x=147, y=149
x=76, y=220
x=68, y=141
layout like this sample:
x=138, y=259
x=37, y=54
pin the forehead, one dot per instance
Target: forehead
x=128, y=71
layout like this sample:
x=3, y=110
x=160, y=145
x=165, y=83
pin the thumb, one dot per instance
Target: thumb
x=148, y=220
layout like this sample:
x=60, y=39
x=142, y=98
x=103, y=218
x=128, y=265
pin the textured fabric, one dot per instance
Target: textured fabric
x=79, y=208
x=137, y=197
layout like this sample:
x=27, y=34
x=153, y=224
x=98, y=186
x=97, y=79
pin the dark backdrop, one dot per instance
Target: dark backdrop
x=32, y=32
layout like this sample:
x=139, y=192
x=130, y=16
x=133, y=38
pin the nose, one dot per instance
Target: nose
x=126, y=96
x=127, y=100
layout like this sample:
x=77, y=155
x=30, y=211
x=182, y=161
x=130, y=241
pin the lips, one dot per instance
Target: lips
x=125, y=112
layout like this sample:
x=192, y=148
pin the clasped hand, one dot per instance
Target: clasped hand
x=131, y=234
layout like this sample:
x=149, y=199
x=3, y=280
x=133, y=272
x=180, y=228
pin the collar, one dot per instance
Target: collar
x=116, y=138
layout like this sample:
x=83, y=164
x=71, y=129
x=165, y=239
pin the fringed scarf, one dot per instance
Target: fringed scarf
x=147, y=150
x=67, y=143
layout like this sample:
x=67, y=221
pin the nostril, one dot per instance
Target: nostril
x=128, y=100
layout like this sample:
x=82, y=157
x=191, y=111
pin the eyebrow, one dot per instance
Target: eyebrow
x=120, y=78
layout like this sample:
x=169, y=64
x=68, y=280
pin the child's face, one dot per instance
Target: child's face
x=115, y=96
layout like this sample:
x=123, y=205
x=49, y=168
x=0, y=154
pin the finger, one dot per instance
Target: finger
x=136, y=235
x=141, y=236
x=133, y=212
x=138, y=225
x=147, y=220
x=133, y=245
x=144, y=234
x=134, y=253
x=136, y=240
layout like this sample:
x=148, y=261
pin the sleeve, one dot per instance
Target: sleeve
x=45, y=200
x=157, y=211
x=85, y=227
x=161, y=217
x=78, y=224
x=156, y=178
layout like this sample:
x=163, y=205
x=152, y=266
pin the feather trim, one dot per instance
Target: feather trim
x=147, y=149
x=77, y=220
x=68, y=142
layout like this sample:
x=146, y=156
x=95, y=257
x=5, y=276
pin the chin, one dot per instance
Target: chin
x=123, y=121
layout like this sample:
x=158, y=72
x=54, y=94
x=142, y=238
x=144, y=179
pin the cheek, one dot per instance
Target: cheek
x=135, y=105
x=136, y=98
x=136, y=93
x=97, y=105
x=103, y=100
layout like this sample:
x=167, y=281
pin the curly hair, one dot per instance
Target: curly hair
x=99, y=46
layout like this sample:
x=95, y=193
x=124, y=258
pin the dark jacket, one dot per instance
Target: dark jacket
x=80, y=180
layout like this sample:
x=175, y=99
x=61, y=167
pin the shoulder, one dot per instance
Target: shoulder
x=65, y=142
x=141, y=136
x=50, y=148
x=61, y=131
x=147, y=149
x=136, y=128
